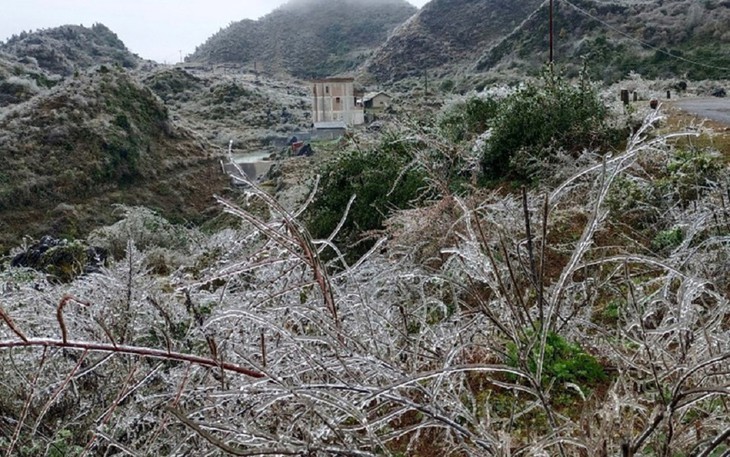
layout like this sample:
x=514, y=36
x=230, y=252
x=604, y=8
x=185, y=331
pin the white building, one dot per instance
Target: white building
x=333, y=99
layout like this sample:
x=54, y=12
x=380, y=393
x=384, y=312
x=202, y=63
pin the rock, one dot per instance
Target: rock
x=63, y=260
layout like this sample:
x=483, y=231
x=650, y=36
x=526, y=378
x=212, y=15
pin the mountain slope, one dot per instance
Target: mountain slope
x=21, y=79
x=659, y=39
x=63, y=50
x=307, y=38
x=445, y=33
x=93, y=140
x=234, y=107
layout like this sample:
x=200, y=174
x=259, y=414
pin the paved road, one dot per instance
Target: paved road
x=714, y=108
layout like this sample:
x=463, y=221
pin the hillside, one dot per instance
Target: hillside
x=21, y=79
x=445, y=33
x=96, y=139
x=236, y=107
x=657, y=39
x=307, y=38
x=65, y=49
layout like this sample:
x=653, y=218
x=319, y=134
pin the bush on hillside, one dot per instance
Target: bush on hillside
x=468, y=119
x=380, y=182
x=564, y=362
x=540, y=119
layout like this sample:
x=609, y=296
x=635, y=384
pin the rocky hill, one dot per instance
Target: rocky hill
x=234, y=107
x=307, y=38
x=21, y=79
x=63, y=50
x=445, y=33
x=658, y=39
x=96, y=139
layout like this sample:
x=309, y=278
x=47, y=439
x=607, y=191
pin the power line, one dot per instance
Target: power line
x=643, y=43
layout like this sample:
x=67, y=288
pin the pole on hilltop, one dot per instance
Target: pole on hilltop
x=551, y=31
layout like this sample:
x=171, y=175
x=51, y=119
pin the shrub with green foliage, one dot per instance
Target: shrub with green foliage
x=468, y=119
x=564, y=361
x=691, y=172
x=380, y=182
x=666, y=240
x=541, y=118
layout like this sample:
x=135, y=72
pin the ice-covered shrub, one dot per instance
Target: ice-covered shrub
x=142, y=226
x=540, y=118
x=381, y=178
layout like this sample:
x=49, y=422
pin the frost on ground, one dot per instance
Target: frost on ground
x=457, y=334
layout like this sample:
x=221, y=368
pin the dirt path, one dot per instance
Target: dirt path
x=716, y=109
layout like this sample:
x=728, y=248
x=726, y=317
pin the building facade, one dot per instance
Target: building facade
x=333, y=99
x=376, y=100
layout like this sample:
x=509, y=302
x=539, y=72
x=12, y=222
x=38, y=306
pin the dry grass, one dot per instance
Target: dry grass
x=714, y=134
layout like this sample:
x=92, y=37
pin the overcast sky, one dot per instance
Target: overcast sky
x=155, y=29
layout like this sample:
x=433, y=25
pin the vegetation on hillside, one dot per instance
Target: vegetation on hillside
x=659, y=39
x=69, y=48
x=530, y=271
x=487, y=322
x=446, y=33
x=21, y=79
x=307, y=38
x=379, y=180
x=236, y=107
x=94, y=135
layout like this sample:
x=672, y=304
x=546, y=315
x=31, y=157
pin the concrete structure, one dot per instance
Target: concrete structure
x=333, y=100
x=330, y=130
x=376, y=100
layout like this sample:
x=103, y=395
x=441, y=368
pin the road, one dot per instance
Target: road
x=713, y=108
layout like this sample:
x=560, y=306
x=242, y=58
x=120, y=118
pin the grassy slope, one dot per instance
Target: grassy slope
x=307, y=38
x=65, y=49
x=234, y=107
x=446, y=32
x=98, y=139
x=691, y=30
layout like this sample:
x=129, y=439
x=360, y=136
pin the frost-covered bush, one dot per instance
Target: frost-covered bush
x=143, y=227
x=381, y=178
x=541, y=118
x=468, y=119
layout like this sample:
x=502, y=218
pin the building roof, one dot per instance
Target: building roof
x=330, y=125
x=333, y=80
x=371, y=95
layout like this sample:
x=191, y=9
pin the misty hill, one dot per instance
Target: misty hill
x=624, y=36
x=445, y=33
x=93, y=140
x=655, y=38
x=65, y=49
x=235, y=107
x=21, y=79
x=307, y=38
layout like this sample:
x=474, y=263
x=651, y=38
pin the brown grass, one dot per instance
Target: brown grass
x=717, y=135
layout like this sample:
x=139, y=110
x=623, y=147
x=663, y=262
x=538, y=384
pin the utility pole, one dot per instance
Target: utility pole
x=551, y=31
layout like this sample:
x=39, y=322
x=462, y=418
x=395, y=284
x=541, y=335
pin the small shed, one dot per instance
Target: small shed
x=376, y=100
x=329, y=130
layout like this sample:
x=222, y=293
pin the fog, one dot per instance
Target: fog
x=161, y=30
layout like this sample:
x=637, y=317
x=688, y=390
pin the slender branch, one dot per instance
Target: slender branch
x=528, y=234
x=59, y=313
x=133, y=350
x=8, y=320
x=719, y=439
x=231, y=450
